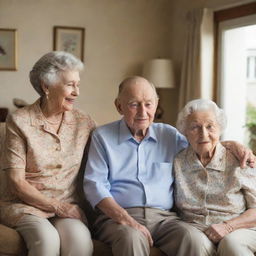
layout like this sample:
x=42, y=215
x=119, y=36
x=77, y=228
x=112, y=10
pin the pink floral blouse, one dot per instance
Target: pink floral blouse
x=51, y=161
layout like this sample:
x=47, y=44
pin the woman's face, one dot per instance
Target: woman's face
x=202, y=132
x=62, y=95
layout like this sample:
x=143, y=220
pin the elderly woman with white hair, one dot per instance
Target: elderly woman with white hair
x=212, y=193
x=44, y=147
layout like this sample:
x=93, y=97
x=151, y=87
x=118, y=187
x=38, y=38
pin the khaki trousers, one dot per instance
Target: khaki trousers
x=241, y=242
x=55, y=236
x=172, y=236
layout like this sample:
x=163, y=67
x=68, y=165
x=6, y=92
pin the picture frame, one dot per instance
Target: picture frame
x=69, y=39
x=8, y=49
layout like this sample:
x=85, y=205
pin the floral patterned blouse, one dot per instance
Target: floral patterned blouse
x=51, y=161
x=215, y=193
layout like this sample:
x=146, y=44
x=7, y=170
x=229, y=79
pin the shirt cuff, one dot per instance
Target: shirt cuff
x=95, y=193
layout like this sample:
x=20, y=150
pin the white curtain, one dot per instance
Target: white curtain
x=197, y=66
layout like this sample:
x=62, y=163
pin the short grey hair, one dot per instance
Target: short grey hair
x=49, y=67
x=134, y=79
x=200, y=105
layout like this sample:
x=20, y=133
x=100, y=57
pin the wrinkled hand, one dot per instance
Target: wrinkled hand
x=134, y=224
x=67, y=210
x=146, y=233
x=248, y=158
x=243, y=154
x=216, y=232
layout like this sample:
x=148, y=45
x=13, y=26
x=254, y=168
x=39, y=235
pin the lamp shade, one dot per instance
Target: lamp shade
x=160, y=72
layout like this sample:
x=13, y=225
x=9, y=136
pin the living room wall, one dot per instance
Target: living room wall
x=120, y=36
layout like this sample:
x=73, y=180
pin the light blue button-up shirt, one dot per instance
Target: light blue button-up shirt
x=135, y=174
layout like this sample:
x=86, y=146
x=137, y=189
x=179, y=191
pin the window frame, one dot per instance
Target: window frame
x=223, y=15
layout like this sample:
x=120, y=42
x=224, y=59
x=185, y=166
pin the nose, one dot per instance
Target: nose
x=142, y=110
x=203, y=132
x=75, y=91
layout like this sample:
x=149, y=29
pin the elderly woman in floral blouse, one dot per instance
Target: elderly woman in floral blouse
x=212, y=193
x=44, y=147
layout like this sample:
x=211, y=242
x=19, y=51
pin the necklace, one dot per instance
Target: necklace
x=53, y=122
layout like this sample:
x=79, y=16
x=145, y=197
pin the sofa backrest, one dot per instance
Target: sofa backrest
x=2, y=135
x=2, y=176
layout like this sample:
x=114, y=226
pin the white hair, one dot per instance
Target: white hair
x=49, y=67
x=200, y=105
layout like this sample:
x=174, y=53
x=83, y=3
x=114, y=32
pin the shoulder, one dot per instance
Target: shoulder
x=20, y=116
x=164, y=128
x=231, y=160
x=82, y=118
x=182, y=155
x=165, y=131
x=108, y=129
x=233, y=165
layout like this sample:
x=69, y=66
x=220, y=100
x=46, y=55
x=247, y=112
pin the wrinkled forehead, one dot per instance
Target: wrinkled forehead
x=139, y=89
x=202, y=117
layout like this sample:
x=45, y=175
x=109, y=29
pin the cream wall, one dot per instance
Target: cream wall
x=120, y=36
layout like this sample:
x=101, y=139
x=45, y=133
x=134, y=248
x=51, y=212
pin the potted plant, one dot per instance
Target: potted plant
x=251, y=125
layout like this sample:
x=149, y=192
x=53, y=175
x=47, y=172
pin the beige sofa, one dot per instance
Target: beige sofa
x=11, y=242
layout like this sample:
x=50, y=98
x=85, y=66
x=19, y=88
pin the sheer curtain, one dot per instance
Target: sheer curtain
x=197, y=67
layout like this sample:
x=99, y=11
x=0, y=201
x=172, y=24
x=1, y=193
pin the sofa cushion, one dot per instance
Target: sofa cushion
x=10, y=241
x=101, y=249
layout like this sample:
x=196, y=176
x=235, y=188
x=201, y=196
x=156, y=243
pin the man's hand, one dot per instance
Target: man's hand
x=134, y=224
x=217, y=231
x=243, y=154
x=248, y=158
x=114, y=211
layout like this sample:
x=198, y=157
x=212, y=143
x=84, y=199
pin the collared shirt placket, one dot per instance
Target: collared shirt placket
x=142, y=173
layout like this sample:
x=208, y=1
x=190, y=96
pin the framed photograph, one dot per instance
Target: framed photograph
x=69, y=39
x=8, y=49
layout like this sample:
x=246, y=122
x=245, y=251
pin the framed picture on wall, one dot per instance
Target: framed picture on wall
x=69, y=39
x=8, y=49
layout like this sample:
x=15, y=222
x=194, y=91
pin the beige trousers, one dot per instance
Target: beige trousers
x=172, y=236
x=241, y=242
x=55, y=236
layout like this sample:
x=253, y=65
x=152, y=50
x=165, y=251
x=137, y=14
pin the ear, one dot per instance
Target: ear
x=118, y=106
x=45, y=87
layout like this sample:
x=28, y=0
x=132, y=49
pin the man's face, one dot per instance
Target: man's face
x=137, y=103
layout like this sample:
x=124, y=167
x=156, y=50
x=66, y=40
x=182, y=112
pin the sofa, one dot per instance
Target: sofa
x=11, y=242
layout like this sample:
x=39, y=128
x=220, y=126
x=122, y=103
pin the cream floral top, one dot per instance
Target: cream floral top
x=51, y=161
x=217, y=192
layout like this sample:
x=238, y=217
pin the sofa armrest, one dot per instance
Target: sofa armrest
x=11, y=242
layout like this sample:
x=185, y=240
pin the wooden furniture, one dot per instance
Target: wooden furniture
x=3, y=114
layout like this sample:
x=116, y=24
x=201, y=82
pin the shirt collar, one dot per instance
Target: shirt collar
x=37, y=118
x=125, y=133
x=217, y=163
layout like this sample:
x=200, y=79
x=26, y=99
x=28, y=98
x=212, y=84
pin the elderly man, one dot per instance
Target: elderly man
x=128, y=177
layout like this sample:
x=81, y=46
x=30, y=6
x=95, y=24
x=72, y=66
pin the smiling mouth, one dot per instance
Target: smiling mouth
x=71, y=101
x=141, y=120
